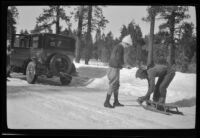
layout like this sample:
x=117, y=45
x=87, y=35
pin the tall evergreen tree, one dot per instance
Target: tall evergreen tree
x=36, y=29
x=136, y=34
x=12, y=15
x=98, y=20
x=95, y=20
x=79, y=33
x=187, y=40
x=22, y=31
x=107, y=47
x=92, y=19
x=89, y=36
x=123, y=32
x=25, y=31
x=51, y=16
x=97, y=44
x=173, y=16
x=152, y=12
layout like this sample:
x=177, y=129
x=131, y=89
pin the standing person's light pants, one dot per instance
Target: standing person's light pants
x=113, y=77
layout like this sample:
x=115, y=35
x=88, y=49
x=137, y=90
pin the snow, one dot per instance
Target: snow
x=47, y=104
x=183, y=85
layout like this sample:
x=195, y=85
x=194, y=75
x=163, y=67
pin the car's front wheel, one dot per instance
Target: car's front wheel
x=31, y=75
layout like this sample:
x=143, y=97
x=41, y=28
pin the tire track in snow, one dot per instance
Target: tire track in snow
x=82, y=106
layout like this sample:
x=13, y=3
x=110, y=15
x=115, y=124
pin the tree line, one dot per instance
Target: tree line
x=174, y=44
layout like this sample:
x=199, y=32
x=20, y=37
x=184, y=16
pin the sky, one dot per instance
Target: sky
x=116, y=15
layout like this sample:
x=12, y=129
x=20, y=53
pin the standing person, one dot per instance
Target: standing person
x=8, y=59
x=116, y=63
x=165, y=75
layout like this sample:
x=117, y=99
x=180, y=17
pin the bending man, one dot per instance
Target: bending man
x=165, y=75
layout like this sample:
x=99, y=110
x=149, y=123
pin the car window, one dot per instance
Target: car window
x=21, y=42
x=16, y=42
x=35, y=42
x=52, y=42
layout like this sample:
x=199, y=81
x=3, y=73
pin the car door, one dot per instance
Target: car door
x=36, y=49
x=20, y=50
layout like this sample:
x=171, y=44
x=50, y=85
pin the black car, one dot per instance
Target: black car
x=43, y=54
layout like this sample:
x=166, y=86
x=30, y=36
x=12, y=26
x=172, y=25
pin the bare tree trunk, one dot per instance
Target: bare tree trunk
x=171, y=58
x=150, y=60
x=89, y=37
x=79, y=35
x=57, y=20
x=139, y=52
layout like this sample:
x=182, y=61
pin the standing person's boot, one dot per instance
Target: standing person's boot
x=116, y=101
x=107, y=102
x=140, y=100
x=161, y=100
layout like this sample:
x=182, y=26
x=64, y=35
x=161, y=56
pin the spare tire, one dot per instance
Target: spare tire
x=60, y=63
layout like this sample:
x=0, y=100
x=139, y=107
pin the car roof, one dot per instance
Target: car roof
x=45, y=34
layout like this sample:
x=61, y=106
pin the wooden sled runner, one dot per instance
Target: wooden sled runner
x=166, y=109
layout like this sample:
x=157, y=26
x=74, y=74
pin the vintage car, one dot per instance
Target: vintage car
x=43, y=54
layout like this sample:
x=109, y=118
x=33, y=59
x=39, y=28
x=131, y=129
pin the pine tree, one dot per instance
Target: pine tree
x=91, y=19
x=152, y=12
x=161, y=41
x=97, y=44
x=22, y=31
x=187, y=40
x=36, y=29
x=98, y=20
x=107, y=46
x=95, y=20
x=173, y=16
x=52, y=16
x=79, y=33
x=88, y=36
x=136, y=34
x=12, y=15
x=124, y=32
x=26, y=32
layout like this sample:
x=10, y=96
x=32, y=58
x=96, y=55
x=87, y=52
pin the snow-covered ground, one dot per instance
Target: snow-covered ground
x=48, y=104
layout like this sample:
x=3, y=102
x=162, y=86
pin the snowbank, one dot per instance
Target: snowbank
x=182, y=87
x=16, y=81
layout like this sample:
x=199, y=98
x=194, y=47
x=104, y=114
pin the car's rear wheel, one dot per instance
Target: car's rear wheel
x=31, y=75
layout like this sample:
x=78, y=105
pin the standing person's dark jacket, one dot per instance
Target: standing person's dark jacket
x=117, y=57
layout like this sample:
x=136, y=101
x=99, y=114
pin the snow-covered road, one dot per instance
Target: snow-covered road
x=47, y=105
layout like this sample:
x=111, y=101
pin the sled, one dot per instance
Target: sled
x=167, y=109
